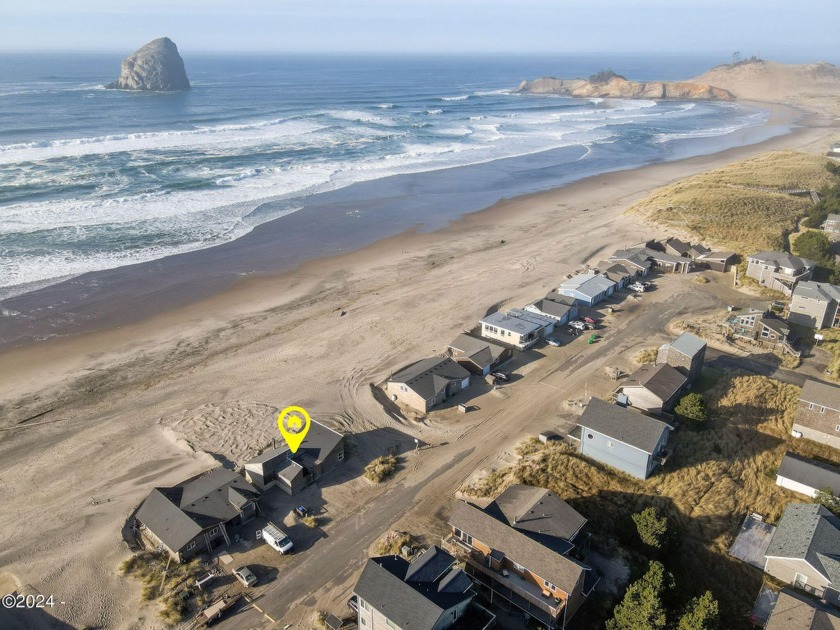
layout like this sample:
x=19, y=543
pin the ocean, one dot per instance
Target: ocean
x=94, y=179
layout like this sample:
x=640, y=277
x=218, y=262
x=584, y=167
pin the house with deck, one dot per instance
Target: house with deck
x=478, y=356
x=805, y=551
x=818, y=413
x=622, y=438
x=815, y=304
x=653, y=388
x=509, y=329
x=686, y=353
x=561, y=308
x=516, y=550
x=588, y=288
x=779, y=271
x=427, y=383
x=321, y=451
x=763, y=328
x=428, y=593
x=197, y=515
x=807, y=476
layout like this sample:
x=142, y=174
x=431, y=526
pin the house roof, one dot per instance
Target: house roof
x=776, y=324
x=623, y=425
x=178, y=514
x=536, y=318
x=636, y=256
x=537, y=510
x=808, y=531
x=782, y=260
x=677, y=245
x=667, y=258
x=415, y=594
x=550, y=307
x=511, y=323
x=821, y=394
x=429, y=377
x=554, y=296
x=833, y=217
x=810, y=472
x=687, y=344
x=718, y=256
x=319, y=442
x=481, y=351
x=561, y=571
x=820, y=291
x=793, y=611
x=661, y=380
x=698, y=250
x=590, y=284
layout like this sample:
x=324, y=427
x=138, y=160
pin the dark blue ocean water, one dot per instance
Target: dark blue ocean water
x=94, y=179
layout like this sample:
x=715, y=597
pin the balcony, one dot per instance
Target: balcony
x=520, y=592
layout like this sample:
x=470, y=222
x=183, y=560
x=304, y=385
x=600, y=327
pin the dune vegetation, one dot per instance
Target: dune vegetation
x=741, y=206
x=719, y=471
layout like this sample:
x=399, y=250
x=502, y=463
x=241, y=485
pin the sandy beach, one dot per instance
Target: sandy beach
x=112, y=413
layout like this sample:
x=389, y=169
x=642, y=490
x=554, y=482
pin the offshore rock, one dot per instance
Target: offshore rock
x=156, y=67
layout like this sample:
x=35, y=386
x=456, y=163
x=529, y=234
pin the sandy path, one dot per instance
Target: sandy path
x=129, y=405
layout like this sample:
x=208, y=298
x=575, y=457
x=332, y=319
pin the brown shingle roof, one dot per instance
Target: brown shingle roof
x=821, y=394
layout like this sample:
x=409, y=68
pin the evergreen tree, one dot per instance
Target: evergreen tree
x=691, y=407
x=641, y=608
x=651, y=527
x=700, y=614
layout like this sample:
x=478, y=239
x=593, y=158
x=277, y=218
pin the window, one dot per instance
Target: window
x=364, y=621
x=800, y=580
x=391, y=624
x=810, y=405
x=549, y=585
x=466, y=538
x=363, y=604
x=589, y=436
x=519, y=567
x=340, y=456
x=403, y=388
x=214, y=531
x=191, y=546
x=822, y=409
x=837, y=428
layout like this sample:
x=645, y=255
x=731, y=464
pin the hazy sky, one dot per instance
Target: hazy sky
x=777, y=29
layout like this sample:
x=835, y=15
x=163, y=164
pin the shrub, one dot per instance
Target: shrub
x=391, y=544
x=603, y=76
x=700, y=614
x=310, y=521
x=651, y=527
x=381, y=468
x=691, y=407
x=642, y=608
x=648, y=355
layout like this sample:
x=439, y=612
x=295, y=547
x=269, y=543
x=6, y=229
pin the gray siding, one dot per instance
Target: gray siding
x=812, y=313
x=621, y=456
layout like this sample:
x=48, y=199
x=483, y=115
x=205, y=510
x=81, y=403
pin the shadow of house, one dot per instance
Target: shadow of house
x=198, y=514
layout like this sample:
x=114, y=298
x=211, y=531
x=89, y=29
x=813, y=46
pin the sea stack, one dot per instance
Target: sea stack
x=156, y=67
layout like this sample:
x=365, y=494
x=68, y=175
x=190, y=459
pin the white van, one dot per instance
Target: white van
x=276, y=538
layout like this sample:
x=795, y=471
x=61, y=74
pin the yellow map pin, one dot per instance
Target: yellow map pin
x=293, y=423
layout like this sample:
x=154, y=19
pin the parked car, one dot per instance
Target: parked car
x=638, y=287
x=276, y=538
x=577, y=323
x=245, y=575
x=590, y=326
x=353, y=604
x=301, y=511
x=572, y=331
x=502, y=376
x=551, y=341
x=590, y=320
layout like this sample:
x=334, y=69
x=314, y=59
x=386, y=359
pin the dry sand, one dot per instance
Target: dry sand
x=148, y=403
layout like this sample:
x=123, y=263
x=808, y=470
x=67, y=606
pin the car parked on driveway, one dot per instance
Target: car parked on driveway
x=638, y=287
x=578, y=323
x=551, y=341
x=502, y=376
x=245, y=575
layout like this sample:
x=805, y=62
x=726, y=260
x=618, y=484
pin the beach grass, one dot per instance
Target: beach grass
x=740, y=206
x=714, y=477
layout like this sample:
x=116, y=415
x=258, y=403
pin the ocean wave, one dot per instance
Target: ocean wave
x=433, y=112
x=461, y=97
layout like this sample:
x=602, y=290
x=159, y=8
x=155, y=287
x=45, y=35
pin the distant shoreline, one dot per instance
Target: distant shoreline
x=118, y=297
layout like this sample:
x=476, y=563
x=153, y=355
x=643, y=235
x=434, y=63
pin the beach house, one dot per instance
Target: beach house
x=805, y=551
x=716, y=261
x=686, y=353
x=588, y=288
x=516, y=552
x=779, y=271
x=818, y=413
x=653, y=388
x=622, y=438
x=509, y=329
x=478, y=356
x=807, y=476
x=558, y=307
x=321, y=451
x=764, y=328
x=429, y=593
x=635, y=260
x=197, y=515
x=815, y=304
x=427, y=383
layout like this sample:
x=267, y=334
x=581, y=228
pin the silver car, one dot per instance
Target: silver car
x=245, y=575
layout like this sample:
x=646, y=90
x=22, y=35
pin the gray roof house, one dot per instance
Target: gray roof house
x=196, y=515
x=429, y=593
x=622, y=438
x=807, y=476
x=515, y=331
x=653, y=388
x=588, y=288
x=562, y=309
x=685, y=353
x=546, y=323
x=779, y=271
x=815, y=304
x=676, y=247
x=793, y=611
x=477, y=355
x=427, y=383
x=805, y=550
x=621, y=274
x=716, y=261
x=320, y=452
x=635, y=260
x=818, y=413
x=515, y=552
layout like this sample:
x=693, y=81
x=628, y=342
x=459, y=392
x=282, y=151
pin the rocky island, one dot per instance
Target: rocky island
x=156, y=67
x=607, y=84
